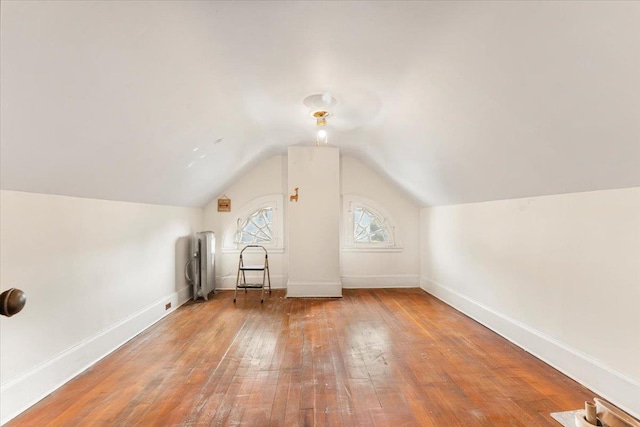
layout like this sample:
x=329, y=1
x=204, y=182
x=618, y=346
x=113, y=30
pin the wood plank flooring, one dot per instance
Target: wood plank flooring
x=373, y=358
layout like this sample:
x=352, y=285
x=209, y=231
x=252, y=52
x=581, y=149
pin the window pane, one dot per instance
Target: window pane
x=368, y=228
x=256, y=228
x=259, y=221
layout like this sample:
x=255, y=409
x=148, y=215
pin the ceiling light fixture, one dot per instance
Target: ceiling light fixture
x=321, y=137
x=321, y=117
x=321, y=122
x=320, y=108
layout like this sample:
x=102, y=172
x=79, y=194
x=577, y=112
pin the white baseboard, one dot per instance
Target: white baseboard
x=348, y=282
x=20, y=393
x=380, y=281
x=314, y=289
x=183, y=295
x=612, y=385
x=228, y=282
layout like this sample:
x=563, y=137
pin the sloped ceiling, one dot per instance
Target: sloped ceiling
x=455, y=102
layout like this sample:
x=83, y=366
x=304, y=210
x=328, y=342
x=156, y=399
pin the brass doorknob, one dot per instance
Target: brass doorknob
x=12, y=301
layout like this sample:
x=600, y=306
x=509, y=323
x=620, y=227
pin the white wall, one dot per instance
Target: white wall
x=314, y=222
x=358, y=269
x=382, y=269
x=558, y=275
x=95, y=272
x=269, y=177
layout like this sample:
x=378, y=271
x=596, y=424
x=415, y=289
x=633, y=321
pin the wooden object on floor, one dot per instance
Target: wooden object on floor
x=375, y=357
x=614, y=416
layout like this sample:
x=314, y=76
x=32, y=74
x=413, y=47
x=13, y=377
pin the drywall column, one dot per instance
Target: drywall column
x=314, y=229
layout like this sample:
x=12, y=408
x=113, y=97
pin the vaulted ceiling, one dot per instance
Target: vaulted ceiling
x=169, y=102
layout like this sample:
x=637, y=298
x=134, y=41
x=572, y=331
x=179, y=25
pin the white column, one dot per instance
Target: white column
x=314, y=247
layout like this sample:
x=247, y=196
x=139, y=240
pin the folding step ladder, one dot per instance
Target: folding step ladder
x=242, y=269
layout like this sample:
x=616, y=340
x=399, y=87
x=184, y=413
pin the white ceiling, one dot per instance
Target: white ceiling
x=453, y=101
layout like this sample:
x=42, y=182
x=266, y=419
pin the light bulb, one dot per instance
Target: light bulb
x=321, y=137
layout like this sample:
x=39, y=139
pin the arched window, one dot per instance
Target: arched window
x=259, y=222
x=367, y=226
x=256, y=228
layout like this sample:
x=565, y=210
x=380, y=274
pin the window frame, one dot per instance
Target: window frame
x=349, y=204
x=273, y=201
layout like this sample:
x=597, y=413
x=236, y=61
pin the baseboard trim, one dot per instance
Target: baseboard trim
x=314, y=289
x=20, y=393
x=380, y=281
x=609, y=383
x=228, y=282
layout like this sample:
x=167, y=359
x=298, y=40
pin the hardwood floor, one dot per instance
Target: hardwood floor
x=373, y=358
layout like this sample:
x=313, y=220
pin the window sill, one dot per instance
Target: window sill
x=237, y=250
x=372, y=249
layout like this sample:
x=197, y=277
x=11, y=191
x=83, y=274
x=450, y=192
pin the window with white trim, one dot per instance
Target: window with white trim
x=256, y=229
x=259, y=222
x=367, y=226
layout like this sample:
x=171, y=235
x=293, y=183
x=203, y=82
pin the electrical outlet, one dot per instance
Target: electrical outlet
x=167, y=306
